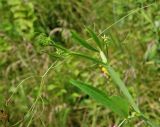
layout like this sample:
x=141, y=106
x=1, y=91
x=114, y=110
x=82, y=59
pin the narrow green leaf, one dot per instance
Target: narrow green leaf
x=60, y=47
x=86, y=57
x=82, y=42
x=95, y=37
x=116, y=78
x=113, y=103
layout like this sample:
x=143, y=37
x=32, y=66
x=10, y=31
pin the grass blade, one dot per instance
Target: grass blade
x=86, y=57
x=60, y=47
x=116, y=78
x=114, y=103
x=82, y=42
x=95, y=37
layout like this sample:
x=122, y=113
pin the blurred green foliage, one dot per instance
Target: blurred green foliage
x=33, y=71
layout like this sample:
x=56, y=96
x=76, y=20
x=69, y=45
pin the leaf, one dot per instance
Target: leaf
x=83, y=42
x=94, y=36
x=87, y=57
x=60, y=47
x=121, y=103
x=113, y=103
x=116, y=78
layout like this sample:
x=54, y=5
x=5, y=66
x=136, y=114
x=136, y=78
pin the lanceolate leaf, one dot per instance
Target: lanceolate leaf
x=113, y=103
x=86, y=57
x=95, y=38
x=60, y=47
x=116, y=78
x=83, y=42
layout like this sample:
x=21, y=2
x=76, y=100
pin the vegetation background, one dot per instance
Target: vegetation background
x=27, y=62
